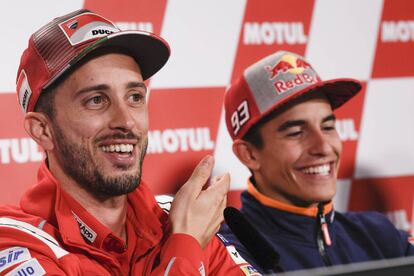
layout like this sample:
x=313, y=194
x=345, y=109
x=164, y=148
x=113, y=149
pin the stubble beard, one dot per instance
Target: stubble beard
x=78, y=163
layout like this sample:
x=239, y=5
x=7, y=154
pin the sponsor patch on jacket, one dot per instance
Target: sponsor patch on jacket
x=250, y=270
x=85, y=230
x=31, y=267
x=235, y=255
x=12, y=256
x=33, y=231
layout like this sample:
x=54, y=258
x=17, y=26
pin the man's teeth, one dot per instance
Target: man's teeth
x=322, y=170
x=118, y=148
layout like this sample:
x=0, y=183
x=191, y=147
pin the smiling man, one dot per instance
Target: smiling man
x=81, y=86
x=279, y=114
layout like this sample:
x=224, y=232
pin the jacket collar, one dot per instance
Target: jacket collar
x=47, y=200
x=273, y=203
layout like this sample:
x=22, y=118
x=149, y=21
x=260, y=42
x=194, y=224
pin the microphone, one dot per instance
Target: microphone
x=255, y=243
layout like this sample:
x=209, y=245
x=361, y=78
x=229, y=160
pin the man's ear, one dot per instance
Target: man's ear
x=38, y=126
x=245, y=151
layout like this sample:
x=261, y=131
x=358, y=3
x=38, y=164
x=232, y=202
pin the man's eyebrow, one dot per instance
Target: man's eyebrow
x=133, y=84
x=289, y=124
x=294, y=123
x=136, y=84
x=331, y=117
x=92, y=88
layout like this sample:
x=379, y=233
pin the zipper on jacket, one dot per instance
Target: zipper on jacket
x=323, y=238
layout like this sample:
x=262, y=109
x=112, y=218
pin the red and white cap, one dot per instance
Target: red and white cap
x=274, y=81
x=61, y=44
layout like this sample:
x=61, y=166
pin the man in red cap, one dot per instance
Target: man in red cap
x=279, y=114
x=81, y=86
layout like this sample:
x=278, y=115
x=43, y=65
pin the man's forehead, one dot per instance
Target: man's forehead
x=91, y=58
x=305, y=98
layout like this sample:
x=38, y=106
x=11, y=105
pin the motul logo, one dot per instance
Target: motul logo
x=397, y=31
x=274, y=33
x=346, y=130
x=19, y=150
x=180, y=140
x=141, y=26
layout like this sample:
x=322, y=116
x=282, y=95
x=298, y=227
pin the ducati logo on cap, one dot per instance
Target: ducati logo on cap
x=85, y=27
x=73, y=25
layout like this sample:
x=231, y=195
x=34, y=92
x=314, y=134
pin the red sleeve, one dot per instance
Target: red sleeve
x=20, y=252
x=182, y=255
x=225, y=260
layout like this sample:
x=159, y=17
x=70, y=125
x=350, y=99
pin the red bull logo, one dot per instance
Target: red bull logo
x=293, y=65
x=288, y=63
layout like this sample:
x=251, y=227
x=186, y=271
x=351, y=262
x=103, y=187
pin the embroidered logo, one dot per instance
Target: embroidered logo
x=85, y=27
x=237, y=258
x=13, y=255
x=31, y=267
x=25, y=92
x=85, y=230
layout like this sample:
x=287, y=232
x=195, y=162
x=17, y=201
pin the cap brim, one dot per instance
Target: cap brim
x=338, y=92
x=150, y=51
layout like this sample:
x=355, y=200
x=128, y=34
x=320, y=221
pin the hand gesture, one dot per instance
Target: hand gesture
x=199, y=212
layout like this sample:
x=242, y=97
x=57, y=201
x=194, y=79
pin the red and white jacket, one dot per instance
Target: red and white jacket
x=52, y=234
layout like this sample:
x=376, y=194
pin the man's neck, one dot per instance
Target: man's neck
x=111, y=212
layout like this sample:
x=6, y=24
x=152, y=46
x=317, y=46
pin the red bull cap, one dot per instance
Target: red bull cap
x=62, y=43
x=272, y=82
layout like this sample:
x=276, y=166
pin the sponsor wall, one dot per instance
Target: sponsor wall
x=212, y=42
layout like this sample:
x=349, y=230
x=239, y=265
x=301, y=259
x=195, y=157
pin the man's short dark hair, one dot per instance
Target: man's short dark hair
x=253, y=135
x=46, y=102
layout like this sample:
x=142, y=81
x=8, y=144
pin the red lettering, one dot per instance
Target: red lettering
x=280, y=88
x=308, y=78
x=298, y=80
x=290, y=84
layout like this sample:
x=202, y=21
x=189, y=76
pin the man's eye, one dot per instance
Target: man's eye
x=329, y=127
x=95, y=101
x=294, y=134
x=137, y=98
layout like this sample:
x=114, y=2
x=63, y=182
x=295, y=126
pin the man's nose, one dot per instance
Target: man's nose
x=319, y=143
x=121, y=116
